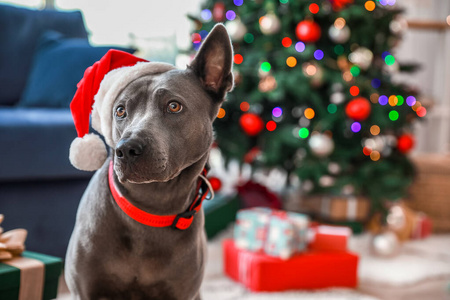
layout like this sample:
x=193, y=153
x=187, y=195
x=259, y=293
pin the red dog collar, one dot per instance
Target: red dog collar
x=181, y=221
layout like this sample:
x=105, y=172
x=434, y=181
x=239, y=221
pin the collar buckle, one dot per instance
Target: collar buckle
x=185, y=215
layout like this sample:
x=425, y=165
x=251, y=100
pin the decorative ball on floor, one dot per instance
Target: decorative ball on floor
x=385, y=244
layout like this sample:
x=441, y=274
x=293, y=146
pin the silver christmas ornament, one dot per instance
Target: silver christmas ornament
x=321, y=145
x=337, y=98
x=326, y=181
x=334, y=168
x=339, y=36
x=303, y=122
x=236, y=29
x=362, y=57
x=269, y=24
x=376, y=143
x=385, y=244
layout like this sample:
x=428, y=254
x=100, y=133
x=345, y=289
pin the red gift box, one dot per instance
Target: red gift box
x=422, y=227
x=329, y=238
x=309, y=270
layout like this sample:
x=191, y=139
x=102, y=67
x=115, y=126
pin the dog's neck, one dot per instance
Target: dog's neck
x=165, y=198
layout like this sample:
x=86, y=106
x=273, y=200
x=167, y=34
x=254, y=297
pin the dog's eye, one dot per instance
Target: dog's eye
x=121, y=112
x=174, y=107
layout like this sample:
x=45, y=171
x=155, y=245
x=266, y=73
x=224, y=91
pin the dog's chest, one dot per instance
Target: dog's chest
x=139, y=269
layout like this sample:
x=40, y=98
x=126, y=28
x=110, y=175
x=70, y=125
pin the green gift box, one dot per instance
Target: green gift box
x=30, y=276
x=219, y=213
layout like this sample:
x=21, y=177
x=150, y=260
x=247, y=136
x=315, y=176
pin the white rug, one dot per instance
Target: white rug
x=418, y=261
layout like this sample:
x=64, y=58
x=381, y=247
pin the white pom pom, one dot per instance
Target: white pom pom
x=88, y=153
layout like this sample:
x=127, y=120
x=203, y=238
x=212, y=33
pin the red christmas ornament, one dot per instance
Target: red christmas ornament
x=340, y=4
x=405, y=143
x=219, y=12
x=358, y=109
x=216, y=184
x=308, y=31
x=252, y=124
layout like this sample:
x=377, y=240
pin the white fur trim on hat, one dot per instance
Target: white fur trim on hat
x=88, y=153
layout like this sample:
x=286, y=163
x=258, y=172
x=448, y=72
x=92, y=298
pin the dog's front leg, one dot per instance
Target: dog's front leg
x=197, y=297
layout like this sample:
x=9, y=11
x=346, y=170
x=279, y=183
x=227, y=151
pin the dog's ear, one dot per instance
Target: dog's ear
x=213, y=62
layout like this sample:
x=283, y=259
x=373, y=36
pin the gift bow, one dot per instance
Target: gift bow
x=12, y=243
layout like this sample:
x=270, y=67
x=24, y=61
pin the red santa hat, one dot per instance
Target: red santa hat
x=97, y=90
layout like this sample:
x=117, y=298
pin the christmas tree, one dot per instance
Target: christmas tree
x=314, y=93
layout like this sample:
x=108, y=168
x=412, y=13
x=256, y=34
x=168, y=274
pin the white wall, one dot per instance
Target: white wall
x=431, y=49
x=111, y=21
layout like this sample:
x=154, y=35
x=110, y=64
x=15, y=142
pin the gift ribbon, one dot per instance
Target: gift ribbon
x=32, y=276
x=352, y=206
x=32, y=271
x=245, y=267
x=325, y=206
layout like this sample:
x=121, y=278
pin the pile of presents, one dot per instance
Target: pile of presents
x=274, y=250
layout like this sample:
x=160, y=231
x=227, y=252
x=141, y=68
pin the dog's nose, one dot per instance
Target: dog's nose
x=129, y=148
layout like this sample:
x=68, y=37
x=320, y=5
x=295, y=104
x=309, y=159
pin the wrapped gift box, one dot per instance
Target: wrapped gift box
x=251, y=228
x=275, y=232
x=329, y=238
x=334, y=208
x=32, y=276
x=331, y=208
x=309, y=270
x=422, y=227
x=430, y=190
x=219, y=213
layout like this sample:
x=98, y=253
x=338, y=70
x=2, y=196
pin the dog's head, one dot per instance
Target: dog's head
x=158, y=119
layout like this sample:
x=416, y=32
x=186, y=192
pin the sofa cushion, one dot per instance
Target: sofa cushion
x=35, y=144
x=58, y=65
x=20, y=31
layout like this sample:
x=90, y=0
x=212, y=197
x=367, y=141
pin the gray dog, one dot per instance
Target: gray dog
x=159, y=128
